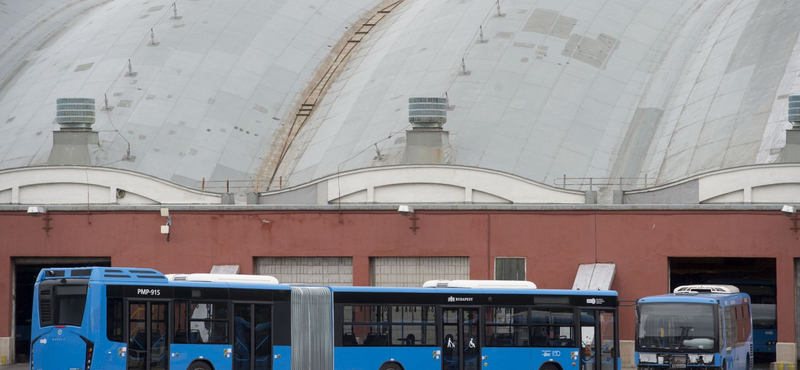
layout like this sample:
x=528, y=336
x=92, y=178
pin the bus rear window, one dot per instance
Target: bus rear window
x=64, y=306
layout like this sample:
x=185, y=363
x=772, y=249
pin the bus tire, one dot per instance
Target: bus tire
x=747, y=364
x=550, y=367
x=391, y=366
x=200, y=365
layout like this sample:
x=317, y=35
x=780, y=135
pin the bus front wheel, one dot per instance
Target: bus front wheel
x=199, y=365
x=391, y=366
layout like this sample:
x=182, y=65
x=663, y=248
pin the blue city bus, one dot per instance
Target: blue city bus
x=765, y=324
x=698, y=326
x=475, y=326
x=138, y=319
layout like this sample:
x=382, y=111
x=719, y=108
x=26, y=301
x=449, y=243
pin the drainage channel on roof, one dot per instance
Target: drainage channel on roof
x=321, y=86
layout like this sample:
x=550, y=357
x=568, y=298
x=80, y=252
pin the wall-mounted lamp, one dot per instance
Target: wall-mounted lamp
x=41, y=211
x=791, y=212
x=408, y=211
x=165, y=228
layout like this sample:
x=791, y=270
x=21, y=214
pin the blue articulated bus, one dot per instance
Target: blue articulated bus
x=471, y=325
x=139, y=319
x=698, y=326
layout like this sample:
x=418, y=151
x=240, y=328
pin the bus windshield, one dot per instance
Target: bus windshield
x=764, y=316
x=676, y=326
x=62, y=304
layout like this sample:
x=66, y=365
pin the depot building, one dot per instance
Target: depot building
x=635, y=249
x=634, y=146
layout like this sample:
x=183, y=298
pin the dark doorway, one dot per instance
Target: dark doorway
x=754, y=276
x=25, y=272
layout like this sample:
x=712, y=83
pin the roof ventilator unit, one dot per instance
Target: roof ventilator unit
x=794, y=111
x=480, y=284
x=695, y=289
x=225, y=278
x=791, y=151
x=71, y=142
x=426, y=141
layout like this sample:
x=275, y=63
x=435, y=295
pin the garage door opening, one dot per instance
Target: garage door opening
x=414, y=271
x=25, y=272
x=337, y=271
x=754, y=276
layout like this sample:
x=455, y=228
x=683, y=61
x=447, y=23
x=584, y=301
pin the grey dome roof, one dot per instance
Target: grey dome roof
x=205, y=102
x=585, y=88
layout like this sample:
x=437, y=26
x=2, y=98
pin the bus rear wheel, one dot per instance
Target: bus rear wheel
x=549, y=367
x=199, y=365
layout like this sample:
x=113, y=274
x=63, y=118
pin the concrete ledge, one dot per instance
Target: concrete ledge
x=393, y=207
x=782, y=366
x=786, y=352
x=627, y=353
x=5, y=351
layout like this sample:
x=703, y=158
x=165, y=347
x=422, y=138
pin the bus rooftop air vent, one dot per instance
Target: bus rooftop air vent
x=488, y=284
x=794, y=110
x=225, y=278
x=689, y=289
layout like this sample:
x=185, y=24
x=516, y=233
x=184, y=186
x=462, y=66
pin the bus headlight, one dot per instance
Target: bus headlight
x=648, y=358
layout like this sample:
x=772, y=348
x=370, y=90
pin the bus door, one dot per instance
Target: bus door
x=598, y=340
x=147, y=335
x=461, y=347
x=252, y=336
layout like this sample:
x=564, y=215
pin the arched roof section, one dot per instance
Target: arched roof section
x=93, y=185
x=774, y=183
x=423, y=184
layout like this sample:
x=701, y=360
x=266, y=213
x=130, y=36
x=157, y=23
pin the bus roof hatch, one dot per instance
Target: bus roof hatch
x=489, y=284
x=225, y=278
x=700, y=288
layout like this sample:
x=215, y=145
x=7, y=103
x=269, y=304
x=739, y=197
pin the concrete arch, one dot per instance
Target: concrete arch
x=423, y=184
x=96, y=185
x=773, y=183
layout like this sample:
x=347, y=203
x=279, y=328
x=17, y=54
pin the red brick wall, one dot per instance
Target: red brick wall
x=554, y=243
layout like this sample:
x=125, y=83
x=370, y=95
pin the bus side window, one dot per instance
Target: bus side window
x=114, y=322
x=209, y=323
x=366, y=326
x=412, y=326
x=181, y=333
x=748, y=320
x=730, y=326
x=552, y=327
x=507, y=327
